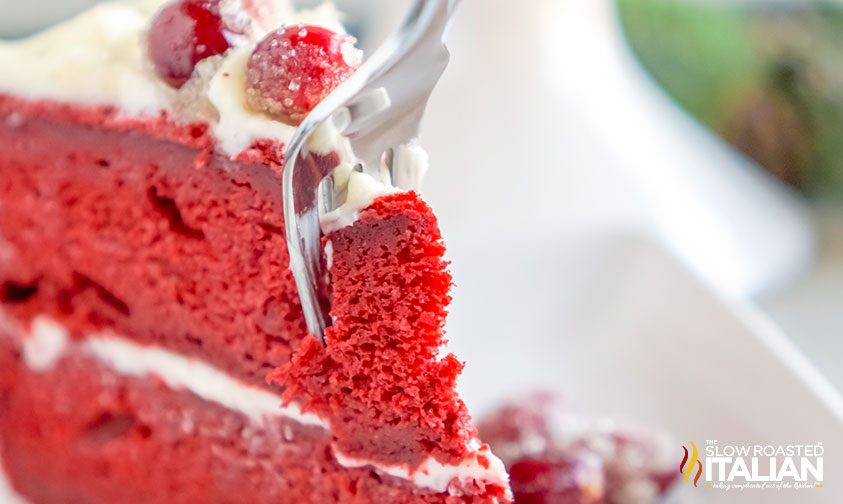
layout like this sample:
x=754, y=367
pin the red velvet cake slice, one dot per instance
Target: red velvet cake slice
x=152, y=344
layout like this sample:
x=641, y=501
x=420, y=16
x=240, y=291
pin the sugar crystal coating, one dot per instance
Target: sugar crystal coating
x=294, y=68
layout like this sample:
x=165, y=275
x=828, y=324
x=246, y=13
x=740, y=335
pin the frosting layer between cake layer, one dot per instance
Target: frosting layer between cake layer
x=48, y=341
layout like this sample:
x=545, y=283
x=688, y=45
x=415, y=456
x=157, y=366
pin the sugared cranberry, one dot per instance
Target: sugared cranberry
x=556, y=480
x=182, y=34
x=296, y=67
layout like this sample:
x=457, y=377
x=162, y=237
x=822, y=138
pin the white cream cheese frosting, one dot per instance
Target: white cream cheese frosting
x=46, y=345
x=358, y=190
x=201, y=379
x=355, y=190
x=96, y=58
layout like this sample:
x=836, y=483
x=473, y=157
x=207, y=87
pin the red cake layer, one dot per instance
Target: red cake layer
x=82, y=434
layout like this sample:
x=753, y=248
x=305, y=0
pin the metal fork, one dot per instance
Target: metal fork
x=378, y=109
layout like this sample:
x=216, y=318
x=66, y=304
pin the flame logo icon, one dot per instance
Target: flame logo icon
x=686, y=467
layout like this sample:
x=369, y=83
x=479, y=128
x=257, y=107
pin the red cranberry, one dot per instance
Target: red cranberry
x=556, y=480
x=296, y=67
x=182, y=34
x=516, y=421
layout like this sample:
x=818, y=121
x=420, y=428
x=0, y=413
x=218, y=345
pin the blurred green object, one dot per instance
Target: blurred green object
x=767, y=76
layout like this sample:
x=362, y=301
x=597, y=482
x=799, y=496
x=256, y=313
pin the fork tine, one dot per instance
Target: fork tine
x=382, y=109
